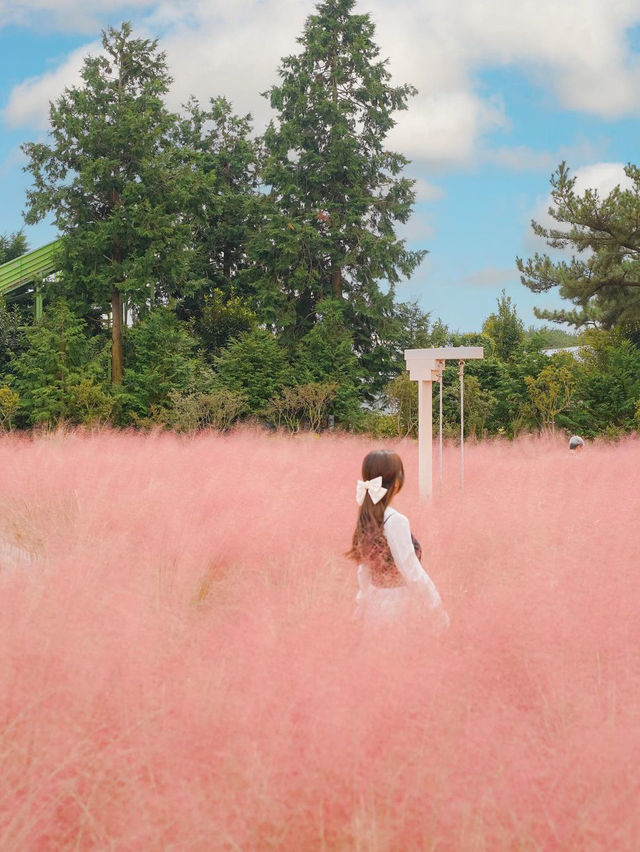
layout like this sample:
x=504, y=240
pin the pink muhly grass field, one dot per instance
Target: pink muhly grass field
x=180, y=669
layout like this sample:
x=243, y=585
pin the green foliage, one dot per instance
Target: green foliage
x=89, y=403
x=504, y=328
x=382, y=332
x=223, y=210
x=551, y=390
x=12, y=336
x=607, y=385
x=12, y=246
x=479, y=404
x=546, y=337
x=217, y=409
x=378, y=424
x=222, y=318
x=325, y=355
x=9, y=405
x=223, y=207
x=402, y=395
x=57, y=361
x=602, y=279
x=116, y=184
x=336, y=194
x=300, y=405
x=163, y=357
x=254, y=365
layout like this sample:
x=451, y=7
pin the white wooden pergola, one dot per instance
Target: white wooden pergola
x=426, y=366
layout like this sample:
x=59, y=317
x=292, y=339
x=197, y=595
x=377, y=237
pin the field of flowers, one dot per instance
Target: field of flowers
x=180, y=669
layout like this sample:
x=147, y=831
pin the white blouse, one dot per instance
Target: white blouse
x=389, y=604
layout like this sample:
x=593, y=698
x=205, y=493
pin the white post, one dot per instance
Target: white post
x=440, y=363
x=461, y=423
x=425, y=366
x=425, y=439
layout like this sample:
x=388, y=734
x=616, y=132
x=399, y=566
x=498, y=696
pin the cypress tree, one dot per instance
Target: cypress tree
x=336, y=192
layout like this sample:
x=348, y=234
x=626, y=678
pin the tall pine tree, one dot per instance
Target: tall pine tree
x=602, y=276
x=336, y=193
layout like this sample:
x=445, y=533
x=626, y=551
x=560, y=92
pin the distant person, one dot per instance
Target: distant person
x=391, y=580
x=576, y=444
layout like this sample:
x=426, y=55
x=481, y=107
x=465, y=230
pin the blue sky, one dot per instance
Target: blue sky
x=505, y=93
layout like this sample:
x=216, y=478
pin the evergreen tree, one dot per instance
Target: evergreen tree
x=336, y=193
x=11, y=320
x=551, y=390
x=113, y=179
x=255, y=366
x=223, y=211
x=505, y=328
x=12, y=246
x=221, y=318
x=607, y=385
x=12, y=337
x=325, y=355
x=58, y=362
x=163, y=357
x=602, y=279
x=223, y=207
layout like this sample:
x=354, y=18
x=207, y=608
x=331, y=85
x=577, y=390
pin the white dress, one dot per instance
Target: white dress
x=380, y=605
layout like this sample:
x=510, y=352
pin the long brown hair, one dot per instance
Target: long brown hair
x=368, y=537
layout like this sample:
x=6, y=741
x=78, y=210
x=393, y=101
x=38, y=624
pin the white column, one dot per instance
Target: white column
x=425, y=366
x=425, y=439
x=461, y=372
x=440, y=364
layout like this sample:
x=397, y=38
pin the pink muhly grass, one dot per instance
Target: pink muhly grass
x=180, y=668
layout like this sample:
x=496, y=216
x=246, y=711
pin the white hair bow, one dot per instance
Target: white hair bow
x=373, y=486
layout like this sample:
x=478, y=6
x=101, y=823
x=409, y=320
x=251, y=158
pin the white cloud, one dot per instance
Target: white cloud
x=13, y=159
x=491, y=277
x=603, y=177
x=577, y=49
x=521, y=158
x=444, y=128
x=67, y=15
x=229, y=53
x=28, y=104
x=426, y=191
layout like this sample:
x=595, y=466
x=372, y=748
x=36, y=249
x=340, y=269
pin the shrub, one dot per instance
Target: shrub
x=9, y=404
x=254, y=365
x=218, y=409
x=303, y=404
x=89, y=403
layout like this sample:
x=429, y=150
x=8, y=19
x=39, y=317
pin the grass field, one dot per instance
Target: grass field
x=180, y=670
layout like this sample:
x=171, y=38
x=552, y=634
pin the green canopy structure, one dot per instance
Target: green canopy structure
x=24, y=275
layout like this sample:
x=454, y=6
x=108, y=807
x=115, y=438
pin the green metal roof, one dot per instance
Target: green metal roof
x=30, y=267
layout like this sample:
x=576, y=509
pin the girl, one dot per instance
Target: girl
x=391, y=579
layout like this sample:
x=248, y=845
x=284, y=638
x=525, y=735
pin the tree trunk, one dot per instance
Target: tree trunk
x=336, y=272
x=116, y=336
x=336, y=282
x=226, y=263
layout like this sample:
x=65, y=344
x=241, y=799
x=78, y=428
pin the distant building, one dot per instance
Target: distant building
x=571, y=350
